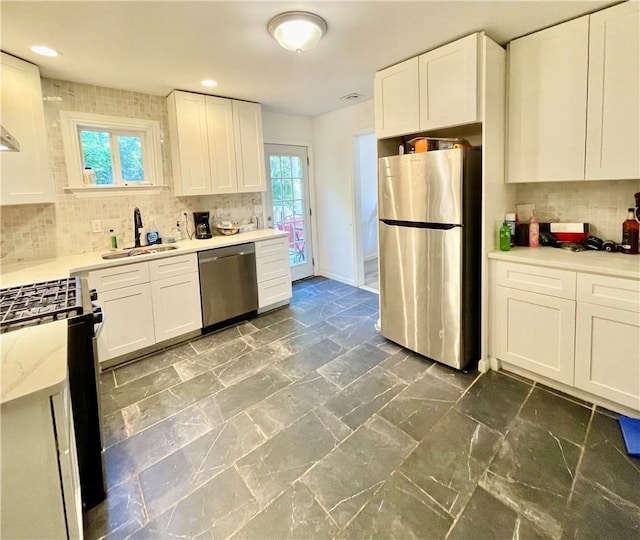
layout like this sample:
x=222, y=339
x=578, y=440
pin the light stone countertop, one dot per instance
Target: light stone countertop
x=62, y=267
x=34, y=362
x=593, y=262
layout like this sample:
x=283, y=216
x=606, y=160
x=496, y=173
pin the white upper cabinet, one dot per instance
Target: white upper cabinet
x=247, y=130
x=222, y=152
x=189, y=144
x=435, y=90
x=613, y=111
x=26, y=175
x=449, y=85
x=216, y=145
x=547, y=104
x=397, y=99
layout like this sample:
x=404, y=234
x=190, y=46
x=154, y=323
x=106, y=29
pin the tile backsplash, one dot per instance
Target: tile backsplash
x=32, y=232
x=602, y=204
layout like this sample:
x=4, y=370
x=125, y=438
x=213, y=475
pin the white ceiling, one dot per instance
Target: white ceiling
x=156, y=46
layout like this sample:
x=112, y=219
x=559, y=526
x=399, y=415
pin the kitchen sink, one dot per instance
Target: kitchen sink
x=134, y=252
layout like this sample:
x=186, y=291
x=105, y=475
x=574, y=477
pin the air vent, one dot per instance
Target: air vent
x=350, y=97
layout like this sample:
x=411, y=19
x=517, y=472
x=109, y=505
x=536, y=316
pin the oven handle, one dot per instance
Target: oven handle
x=98, y=320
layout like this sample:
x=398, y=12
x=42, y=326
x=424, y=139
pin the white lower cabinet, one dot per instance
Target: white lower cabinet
x=40, y=496
x=128, y=321
x=163, y=303
x=176, y=306
x=608, y=353
x=536, y=332
x=273, y=272
x=608, y=338
x=580, y=329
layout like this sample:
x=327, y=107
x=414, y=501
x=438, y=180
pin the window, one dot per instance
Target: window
x=124, y=153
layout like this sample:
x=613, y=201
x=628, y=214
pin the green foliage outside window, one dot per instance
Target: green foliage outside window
x=96, y=153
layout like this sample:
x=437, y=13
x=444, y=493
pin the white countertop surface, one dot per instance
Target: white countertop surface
x=34, y=361
x=62, y=267
x=594, y=262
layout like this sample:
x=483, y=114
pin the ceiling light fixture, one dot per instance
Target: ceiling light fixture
x=297, y=30
x=43, y=50
x=209, y=83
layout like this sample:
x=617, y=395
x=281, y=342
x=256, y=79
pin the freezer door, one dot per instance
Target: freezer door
x=421, y=290
x=422, y=188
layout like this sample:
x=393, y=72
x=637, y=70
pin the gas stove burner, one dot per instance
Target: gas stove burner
x=39, y=303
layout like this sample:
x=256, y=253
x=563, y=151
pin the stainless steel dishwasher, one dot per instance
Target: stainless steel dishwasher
x=228, y=285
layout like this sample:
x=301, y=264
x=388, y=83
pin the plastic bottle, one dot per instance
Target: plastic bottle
x=113, y=239
x=630, y=234
x=534, y=231
x=177, y=233
x=511, y=219
x=153, y=236
x=505, y=237
x=88, y=177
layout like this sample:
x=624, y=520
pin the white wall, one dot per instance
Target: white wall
x=369, y=194
x=287, y=129
x=334, y=192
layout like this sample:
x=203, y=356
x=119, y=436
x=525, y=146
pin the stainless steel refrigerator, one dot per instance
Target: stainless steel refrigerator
x=430, y=209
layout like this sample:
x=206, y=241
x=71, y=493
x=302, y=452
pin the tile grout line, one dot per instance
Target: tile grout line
x=582, y=452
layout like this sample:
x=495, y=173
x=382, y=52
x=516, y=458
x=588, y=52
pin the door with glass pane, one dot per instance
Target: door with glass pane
x=287, y=203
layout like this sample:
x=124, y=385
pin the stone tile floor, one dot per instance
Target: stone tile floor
x=305, y=423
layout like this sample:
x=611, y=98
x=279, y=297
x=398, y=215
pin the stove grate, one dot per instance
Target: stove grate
x=39, y=303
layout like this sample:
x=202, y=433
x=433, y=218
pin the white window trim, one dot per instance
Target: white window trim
x=71, y=121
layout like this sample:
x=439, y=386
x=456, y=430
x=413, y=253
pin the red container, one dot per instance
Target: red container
x=570, y=236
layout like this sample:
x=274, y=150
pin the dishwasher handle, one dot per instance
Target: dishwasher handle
x=218, y=257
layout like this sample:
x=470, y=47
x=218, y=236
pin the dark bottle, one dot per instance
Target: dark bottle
x=630, y=234
x=637, y=196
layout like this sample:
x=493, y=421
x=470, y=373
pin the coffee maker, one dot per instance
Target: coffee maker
x=201, y=222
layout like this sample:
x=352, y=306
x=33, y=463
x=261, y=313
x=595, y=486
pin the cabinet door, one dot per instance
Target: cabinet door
x=535, y=332
x=189, y=143
x=449, y=85
x=397, y=100
x=222, y=156
x=128, y=321
x=176, y=306
x=26, y=176
x=613, y=114
x=247, y=124
x=547, y=99
x=608, y=353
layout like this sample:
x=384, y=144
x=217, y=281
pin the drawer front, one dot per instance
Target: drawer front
x=537, y=279
x=274, y=290
x=609, y=291
x=271, y=248
x=173, y=266
x=109, y=279
x=272, y=260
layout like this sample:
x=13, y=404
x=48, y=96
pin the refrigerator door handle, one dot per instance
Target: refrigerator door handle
x=417, y=225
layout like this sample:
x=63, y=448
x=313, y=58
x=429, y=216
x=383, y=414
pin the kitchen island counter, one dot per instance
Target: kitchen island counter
x=594, y=262
x=62, y=267
x=34, y=361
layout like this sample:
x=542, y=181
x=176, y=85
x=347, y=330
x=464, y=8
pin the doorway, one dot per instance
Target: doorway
x=366, y=210
x=287, y=203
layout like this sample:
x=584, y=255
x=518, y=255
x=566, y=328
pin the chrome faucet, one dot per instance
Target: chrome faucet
x=137, y=225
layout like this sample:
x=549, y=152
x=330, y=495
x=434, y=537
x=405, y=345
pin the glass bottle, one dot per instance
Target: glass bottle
x=534, y=231
x=630, y=234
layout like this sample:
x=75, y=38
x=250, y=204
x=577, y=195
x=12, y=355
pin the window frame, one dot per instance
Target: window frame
x=72, y=122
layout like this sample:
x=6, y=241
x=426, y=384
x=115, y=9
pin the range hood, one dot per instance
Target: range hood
x=7, y=141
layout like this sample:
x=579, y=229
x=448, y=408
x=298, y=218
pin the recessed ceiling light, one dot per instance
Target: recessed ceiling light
x=43, y=50
x=209, y=83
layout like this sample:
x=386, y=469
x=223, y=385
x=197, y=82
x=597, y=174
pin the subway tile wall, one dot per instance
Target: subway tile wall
x=602, y=204
x=34, y=232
